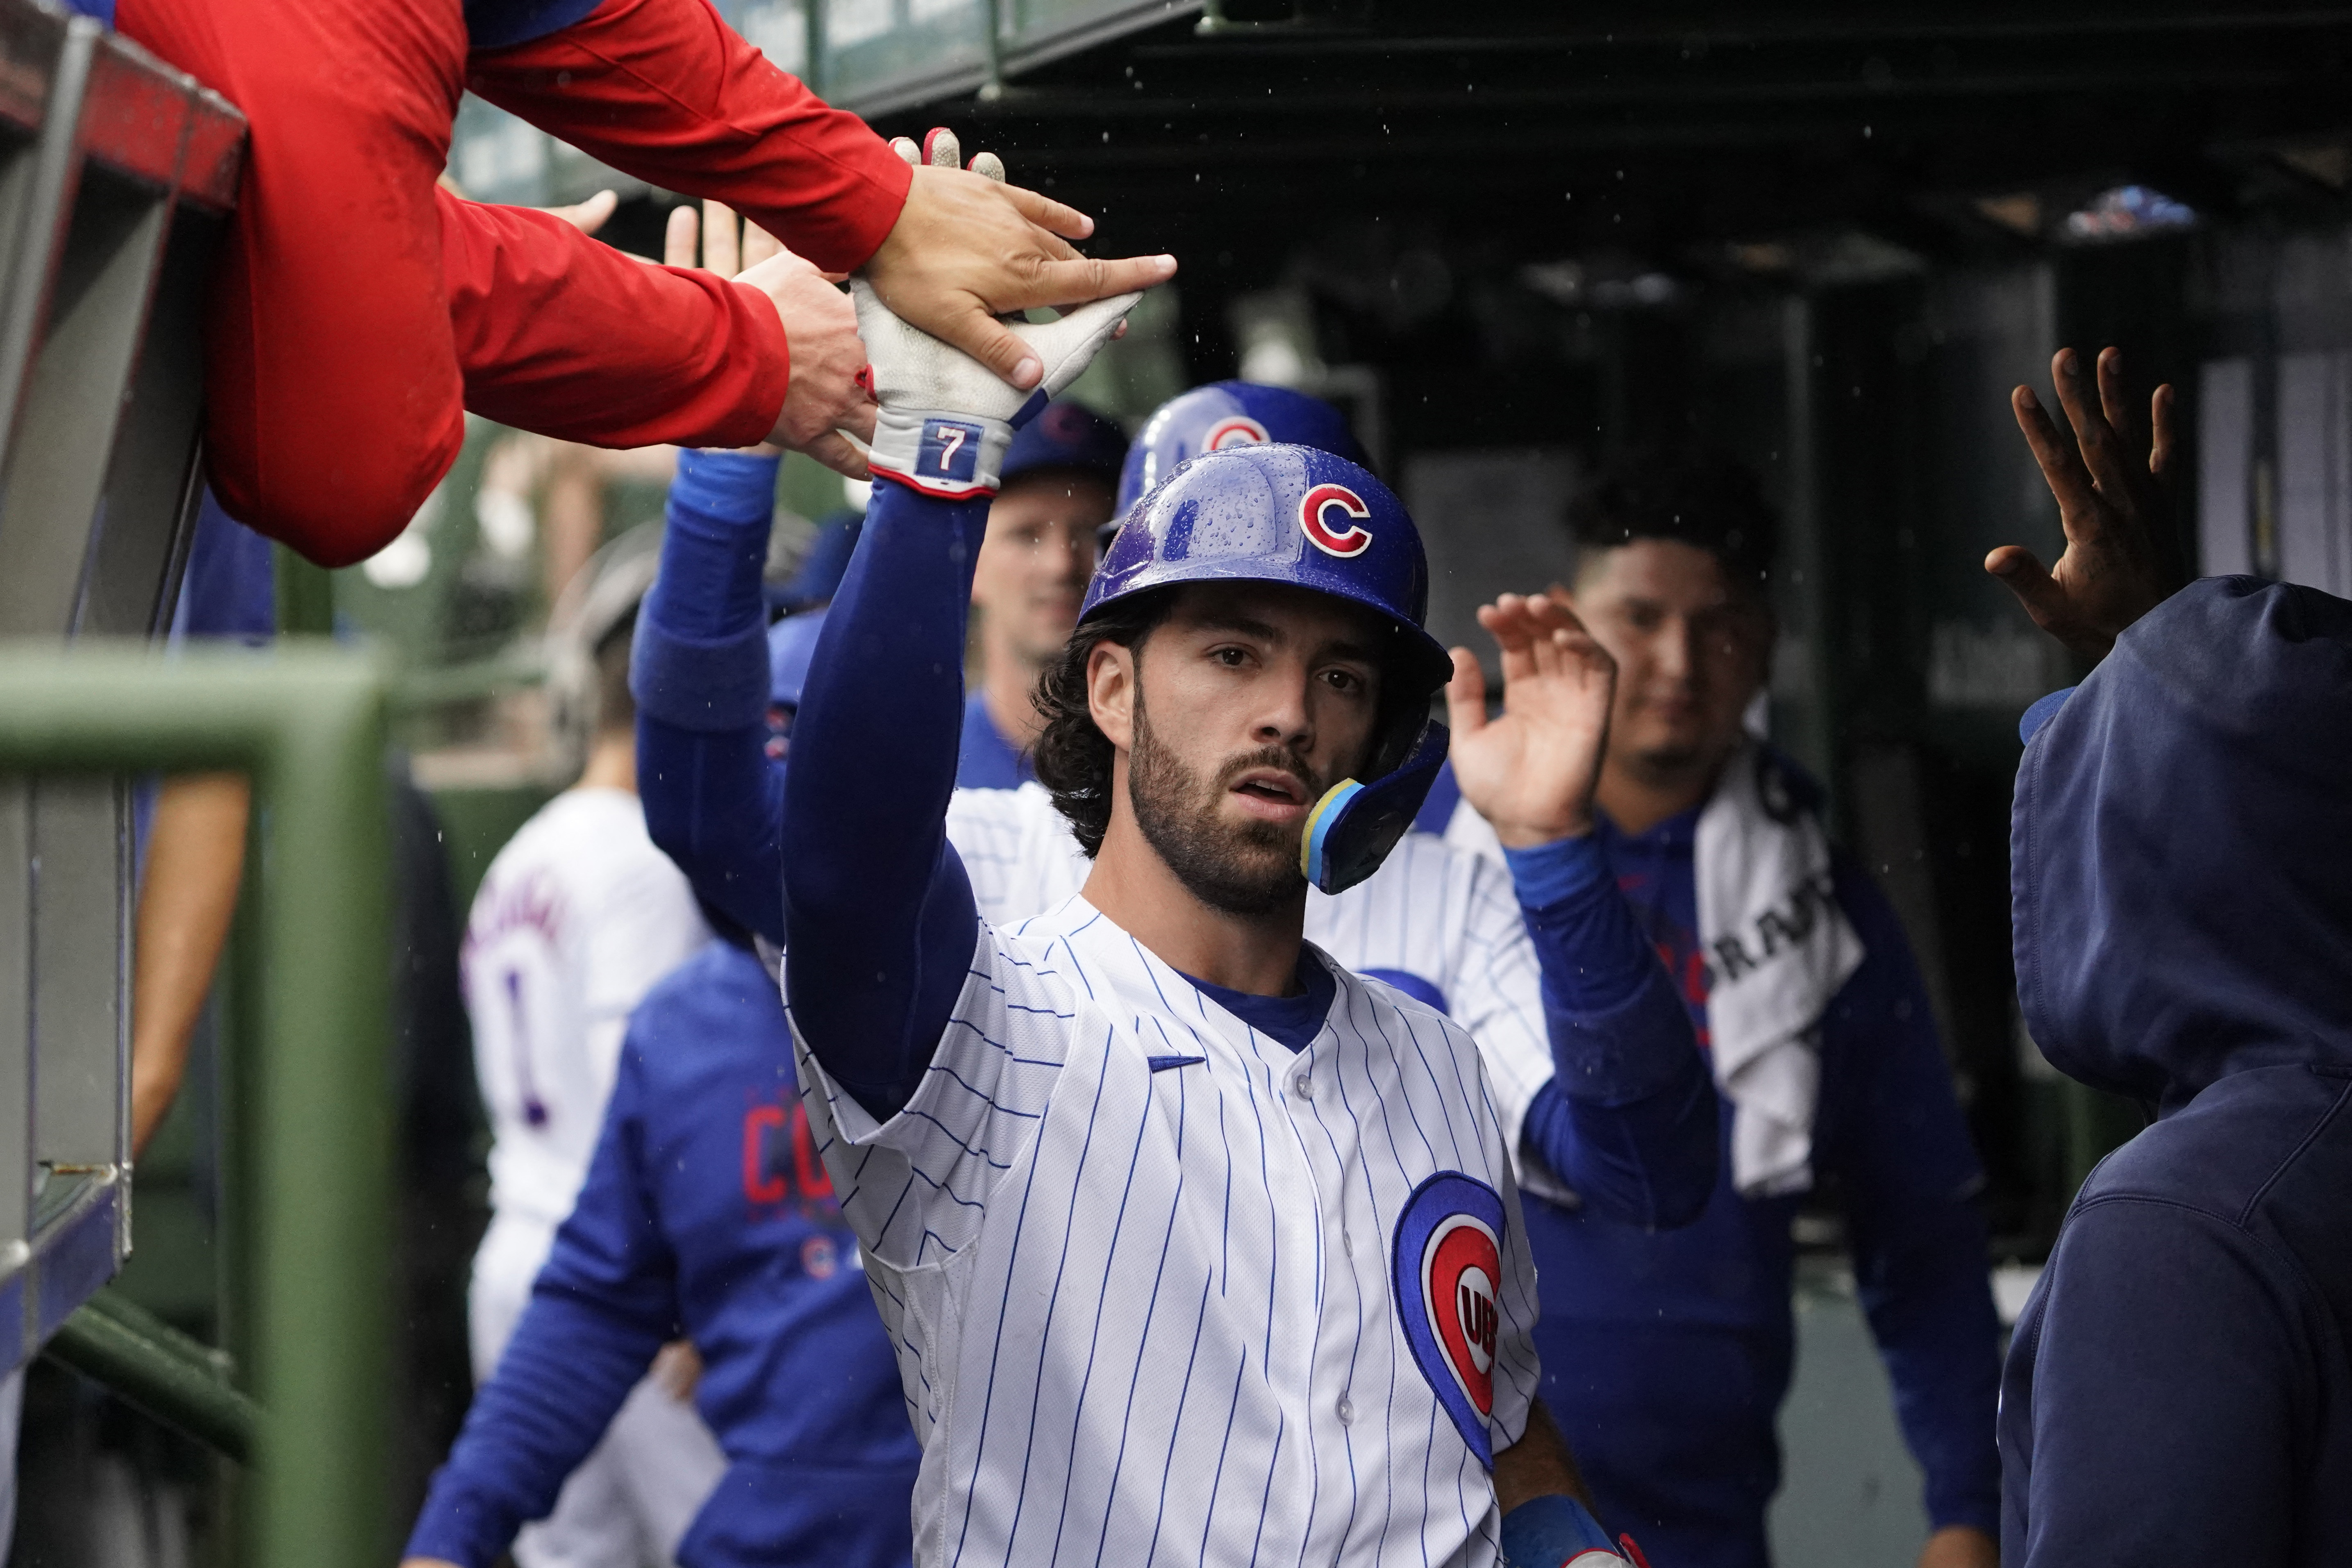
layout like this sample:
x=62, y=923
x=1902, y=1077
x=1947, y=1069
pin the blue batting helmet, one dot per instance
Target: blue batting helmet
x=1300, y=516
x=1229, y=413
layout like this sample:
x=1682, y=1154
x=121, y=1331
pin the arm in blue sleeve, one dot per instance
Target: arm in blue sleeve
x=1628, y=1120
x=1896, y=1140
x=879, y=921
x=604, y=1304
x=700, y=673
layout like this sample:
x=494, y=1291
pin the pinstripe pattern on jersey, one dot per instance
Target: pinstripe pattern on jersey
x=1147, y=1315
x=1444, y=913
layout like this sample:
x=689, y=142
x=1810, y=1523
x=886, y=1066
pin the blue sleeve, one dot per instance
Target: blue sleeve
x=879, y=921
x=2173, y=1407
x=700, y=673
x=1628, y=1120
x=1893, y=1133
x=604, y=1303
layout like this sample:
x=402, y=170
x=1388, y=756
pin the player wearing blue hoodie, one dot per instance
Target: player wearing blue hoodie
x=707, y=1212
x=2179, y=1387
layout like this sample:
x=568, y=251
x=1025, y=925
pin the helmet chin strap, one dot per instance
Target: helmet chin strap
x=1354, y=826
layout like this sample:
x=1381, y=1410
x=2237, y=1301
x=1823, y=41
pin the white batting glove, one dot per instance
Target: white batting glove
x=946, y=418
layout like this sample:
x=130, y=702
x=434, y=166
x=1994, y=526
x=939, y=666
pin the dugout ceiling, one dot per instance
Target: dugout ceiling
x=1554, y=128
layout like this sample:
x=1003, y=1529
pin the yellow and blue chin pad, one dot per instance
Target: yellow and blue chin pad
x=1354, y=826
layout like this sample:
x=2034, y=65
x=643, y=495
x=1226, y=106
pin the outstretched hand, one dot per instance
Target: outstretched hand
x=969, y=248
x=827, y=391
x=2113, y=485
x=1532, y=771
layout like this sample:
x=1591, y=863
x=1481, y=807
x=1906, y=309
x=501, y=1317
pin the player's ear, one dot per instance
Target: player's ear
x=1111, y=674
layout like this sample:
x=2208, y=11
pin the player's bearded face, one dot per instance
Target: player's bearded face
x=1265, y=695
x=1244, y=867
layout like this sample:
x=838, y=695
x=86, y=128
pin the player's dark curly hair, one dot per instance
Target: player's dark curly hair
x=1687, y=494
x=1073, y=756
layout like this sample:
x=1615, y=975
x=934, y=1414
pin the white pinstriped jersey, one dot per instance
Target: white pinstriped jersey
x=1164, y=1291
x=1444, y=916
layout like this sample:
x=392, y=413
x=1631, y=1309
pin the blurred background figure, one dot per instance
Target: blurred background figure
x=577, y=916
x=706, y=1206
x=1060, y=476
x=1667, y=1353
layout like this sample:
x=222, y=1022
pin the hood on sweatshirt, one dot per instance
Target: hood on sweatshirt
x=2180, y=848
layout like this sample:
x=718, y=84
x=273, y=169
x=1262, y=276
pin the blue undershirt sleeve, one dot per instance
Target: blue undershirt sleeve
x=699, y=671
x=1895, y=1136
x=879, y=918
x=1628, y=1120
x=604, y=1303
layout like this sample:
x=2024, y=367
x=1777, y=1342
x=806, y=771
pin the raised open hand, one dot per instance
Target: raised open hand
x=969, y=248
x=1531, y=772
x=2112, y=481
x=827, y=391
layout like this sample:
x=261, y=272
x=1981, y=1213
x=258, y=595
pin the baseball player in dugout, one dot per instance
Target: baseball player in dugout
x=1193, y=1243
x=1669, y=1353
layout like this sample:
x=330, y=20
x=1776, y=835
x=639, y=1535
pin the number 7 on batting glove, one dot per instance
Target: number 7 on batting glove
x=946, y=418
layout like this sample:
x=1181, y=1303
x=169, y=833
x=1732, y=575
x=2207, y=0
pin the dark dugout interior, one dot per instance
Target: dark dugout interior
x=1518, y=240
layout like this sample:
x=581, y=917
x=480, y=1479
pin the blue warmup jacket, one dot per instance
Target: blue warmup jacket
x=706, y=1210
x=714, y=801
x=2179, y=1388
x=1666, y=1354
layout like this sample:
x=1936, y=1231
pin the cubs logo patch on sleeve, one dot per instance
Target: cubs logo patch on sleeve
x=1447, y=1267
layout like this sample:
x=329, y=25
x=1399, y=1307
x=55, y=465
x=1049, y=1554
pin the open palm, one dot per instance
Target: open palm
x=1531, y=771
x=2111, y=482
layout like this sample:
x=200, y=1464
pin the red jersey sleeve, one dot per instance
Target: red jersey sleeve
x=666, y=91
x=559, y=334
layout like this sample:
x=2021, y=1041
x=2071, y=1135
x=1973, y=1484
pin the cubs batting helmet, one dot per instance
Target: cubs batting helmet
x=1229, y=413
x=1300, y=516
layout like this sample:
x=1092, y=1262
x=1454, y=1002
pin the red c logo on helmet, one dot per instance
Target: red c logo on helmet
x=1347, y=539
x=1234, y=430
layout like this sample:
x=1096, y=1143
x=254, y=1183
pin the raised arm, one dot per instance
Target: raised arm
x=666, y=91
x=713, y=797
x=879, y=920
x=1629, y=1118
x=604, y=1303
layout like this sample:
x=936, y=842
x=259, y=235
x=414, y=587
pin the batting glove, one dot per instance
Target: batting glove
x=945, y=418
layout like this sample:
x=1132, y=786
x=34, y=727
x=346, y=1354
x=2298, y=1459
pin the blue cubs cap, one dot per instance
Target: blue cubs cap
x=791, y=644
x=1067, y=436
x=1229, y=413
x=818, y=576
x=1307, y=518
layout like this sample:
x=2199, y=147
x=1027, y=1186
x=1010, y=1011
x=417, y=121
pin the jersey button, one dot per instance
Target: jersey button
x=1348, y=1243
x=1305, y=1085
x=1345, y=1411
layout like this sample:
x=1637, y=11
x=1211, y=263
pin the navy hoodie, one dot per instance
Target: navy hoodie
x=2179, y=1389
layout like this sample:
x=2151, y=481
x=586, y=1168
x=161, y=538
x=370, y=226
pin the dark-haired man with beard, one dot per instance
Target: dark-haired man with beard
x=1193, y=1243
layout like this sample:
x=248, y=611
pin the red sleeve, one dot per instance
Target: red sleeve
x=559, y=334
x=666, y=91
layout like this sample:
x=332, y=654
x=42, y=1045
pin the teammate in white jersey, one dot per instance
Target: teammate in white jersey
x=1195, y=1246
x=578, y=916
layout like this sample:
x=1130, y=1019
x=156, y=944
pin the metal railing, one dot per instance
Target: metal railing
x=311, y=1128
x=116, y=177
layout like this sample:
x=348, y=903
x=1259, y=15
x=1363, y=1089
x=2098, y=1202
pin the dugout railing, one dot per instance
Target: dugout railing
x=117, y=178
